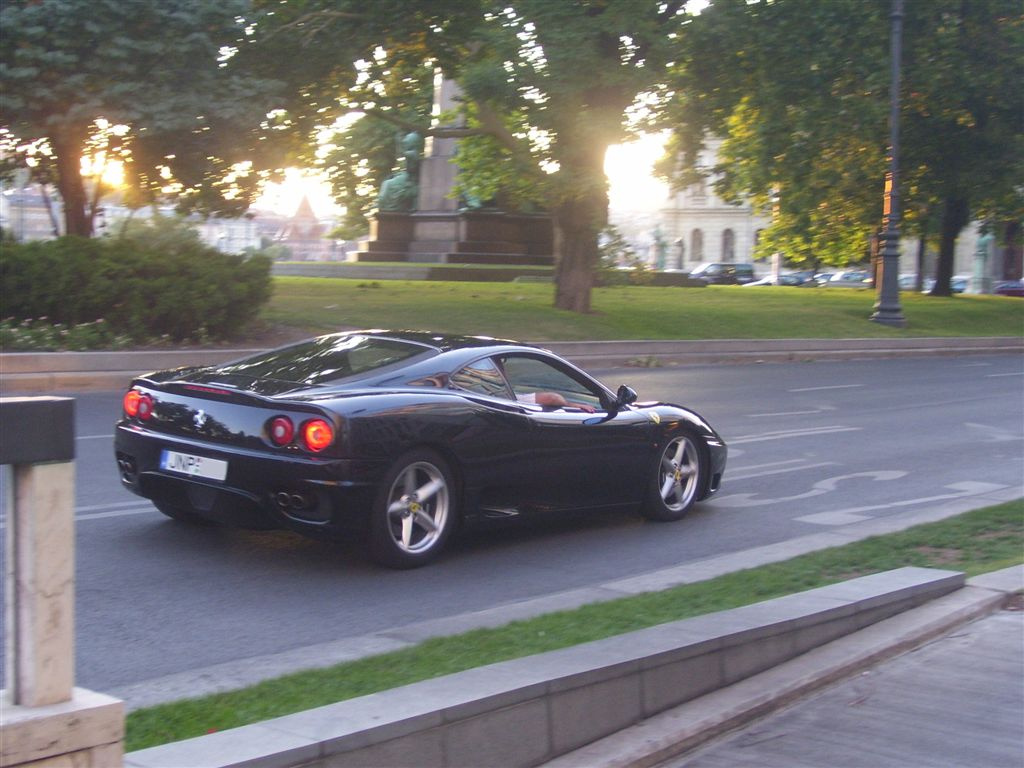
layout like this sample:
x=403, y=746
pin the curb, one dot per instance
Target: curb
x=632, y=700
x=678, y=731
x=29, y=372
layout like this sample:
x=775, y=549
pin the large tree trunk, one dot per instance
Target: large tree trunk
x=955, y=214
x=578, y=223
x=68, y=148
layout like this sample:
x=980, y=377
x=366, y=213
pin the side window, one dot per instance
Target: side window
x=482, y=377
x=530, y=375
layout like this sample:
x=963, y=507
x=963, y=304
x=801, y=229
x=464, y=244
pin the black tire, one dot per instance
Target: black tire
x=182, y=515
x=677, y=478
x=414, y=512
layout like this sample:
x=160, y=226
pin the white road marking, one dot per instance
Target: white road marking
x=94, y=437
x=117, y=513
x=994, y=434
x=111, y=505
x=821, y=487
x=832, y=518
x=997, y=375
x=102, y=511
x=843, y=516
x=735, y=475
x=819, y=409
x=819, y=389
x=788, y=433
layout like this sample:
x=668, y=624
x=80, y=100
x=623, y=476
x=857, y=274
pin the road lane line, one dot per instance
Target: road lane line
x=785, y=434
x=135, y=510
x=110, y=505
x=116, y=513
x=821, y=409
x=733, y=475
x=966, y=488
x=94, y=437
x=819, y=389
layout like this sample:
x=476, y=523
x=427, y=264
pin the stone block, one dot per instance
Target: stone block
x=746, y=659
x=585, y=714
x=504, y=738
x=87, y=721
x=671, y=684
x=254, y=746
x=424, y=749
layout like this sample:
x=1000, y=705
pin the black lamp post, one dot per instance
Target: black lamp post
x=887, y=307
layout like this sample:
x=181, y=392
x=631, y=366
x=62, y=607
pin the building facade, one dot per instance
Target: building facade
x=699, y=226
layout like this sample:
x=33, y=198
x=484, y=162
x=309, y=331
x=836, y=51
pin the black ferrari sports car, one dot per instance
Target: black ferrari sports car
x=402, y=436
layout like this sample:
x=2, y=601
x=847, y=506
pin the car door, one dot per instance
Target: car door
x=581, y=455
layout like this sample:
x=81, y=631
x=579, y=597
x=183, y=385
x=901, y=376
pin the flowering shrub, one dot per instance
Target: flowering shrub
x=149, y=283
x=43, y=336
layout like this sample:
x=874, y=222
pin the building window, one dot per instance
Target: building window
x=728, y=245
x=697, y=245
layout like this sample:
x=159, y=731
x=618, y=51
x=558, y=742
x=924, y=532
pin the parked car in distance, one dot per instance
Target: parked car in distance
x=1009, y=288
x=957, y=284
x=399, y=437
x=850, y=278
x=782, y=279
x=907, y=282
x=724, y=273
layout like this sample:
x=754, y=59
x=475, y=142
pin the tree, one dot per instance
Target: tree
x=799, y=90
x=547, y=87
x=147, y=82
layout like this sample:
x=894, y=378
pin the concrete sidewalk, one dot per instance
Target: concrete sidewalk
x=55, y=372
x=957, y=701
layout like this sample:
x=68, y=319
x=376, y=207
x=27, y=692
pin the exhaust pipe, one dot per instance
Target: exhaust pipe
x=296, y=501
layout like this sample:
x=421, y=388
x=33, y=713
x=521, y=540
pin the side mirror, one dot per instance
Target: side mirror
x=624, y=396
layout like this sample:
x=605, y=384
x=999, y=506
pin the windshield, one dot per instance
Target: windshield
x=327, y=359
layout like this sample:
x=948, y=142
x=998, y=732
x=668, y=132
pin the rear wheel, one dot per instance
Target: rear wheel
x=677, y=479
x=181, y=514
x=414, y=512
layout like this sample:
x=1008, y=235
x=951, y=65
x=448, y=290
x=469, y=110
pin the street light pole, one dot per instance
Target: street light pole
x=887, y=308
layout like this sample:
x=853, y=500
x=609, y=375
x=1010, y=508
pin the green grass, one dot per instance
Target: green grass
x=524, y=311
x=975, y=542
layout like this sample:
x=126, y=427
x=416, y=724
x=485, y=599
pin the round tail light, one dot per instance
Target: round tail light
x=145, y=407
x=281, y=430
x=317, y=434
x=137, y=404
x=131, y=402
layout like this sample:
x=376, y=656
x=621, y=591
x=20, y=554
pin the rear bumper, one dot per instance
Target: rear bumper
x=309, y=494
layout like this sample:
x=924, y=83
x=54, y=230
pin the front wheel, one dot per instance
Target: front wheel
x=677, y=479
x=414, y=512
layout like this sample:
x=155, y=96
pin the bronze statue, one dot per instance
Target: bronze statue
x=400, y=192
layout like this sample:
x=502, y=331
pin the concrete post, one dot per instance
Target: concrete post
x=40, y=584
x=43, y=716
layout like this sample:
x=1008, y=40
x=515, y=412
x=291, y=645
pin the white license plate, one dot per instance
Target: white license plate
x=197, y=466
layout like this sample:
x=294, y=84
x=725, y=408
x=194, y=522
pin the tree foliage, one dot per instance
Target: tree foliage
x=799, y=90
x=149, y=83
x=546, y=85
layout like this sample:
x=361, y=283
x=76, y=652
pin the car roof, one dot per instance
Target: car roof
x=442, y=342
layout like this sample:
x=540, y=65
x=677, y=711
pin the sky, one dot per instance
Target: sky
x=628, y=167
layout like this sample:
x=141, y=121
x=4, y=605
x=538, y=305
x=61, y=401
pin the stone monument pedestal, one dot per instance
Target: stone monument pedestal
x=459, y=237
x=441, y=233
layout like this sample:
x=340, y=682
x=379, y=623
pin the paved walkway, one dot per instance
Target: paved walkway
x=958, y=701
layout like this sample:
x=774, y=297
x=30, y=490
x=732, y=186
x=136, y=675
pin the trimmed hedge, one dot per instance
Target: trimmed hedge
x=143, y=287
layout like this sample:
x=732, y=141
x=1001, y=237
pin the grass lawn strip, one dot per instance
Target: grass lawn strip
x=525, y=311
x=976, y=542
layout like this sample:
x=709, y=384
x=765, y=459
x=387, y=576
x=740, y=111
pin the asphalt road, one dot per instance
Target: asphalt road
x=812, y=446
